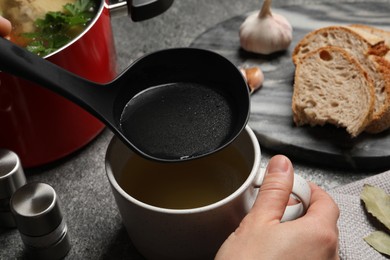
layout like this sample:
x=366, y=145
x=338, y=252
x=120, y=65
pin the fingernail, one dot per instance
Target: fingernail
x=278, y=164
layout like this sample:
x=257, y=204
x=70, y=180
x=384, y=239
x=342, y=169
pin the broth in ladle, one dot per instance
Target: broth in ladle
x=196, y=116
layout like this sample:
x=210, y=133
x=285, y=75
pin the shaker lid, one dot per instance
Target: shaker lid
x=35, y=208
x=11, y=173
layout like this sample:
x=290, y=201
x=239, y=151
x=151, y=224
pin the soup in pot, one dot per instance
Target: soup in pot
x=43, y=26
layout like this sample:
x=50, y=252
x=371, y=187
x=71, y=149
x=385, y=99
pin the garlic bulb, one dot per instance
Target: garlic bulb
x=265, y=32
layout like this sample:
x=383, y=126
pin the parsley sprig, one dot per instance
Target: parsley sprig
x=58, y=28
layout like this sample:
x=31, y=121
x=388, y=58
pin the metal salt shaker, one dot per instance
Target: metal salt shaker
x=11, y=178
x=38, y=217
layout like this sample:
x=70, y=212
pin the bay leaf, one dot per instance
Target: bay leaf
x=377, y=203
x=380, y=241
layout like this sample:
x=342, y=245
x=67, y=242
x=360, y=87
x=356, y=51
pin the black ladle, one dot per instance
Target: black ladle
x=184, y=103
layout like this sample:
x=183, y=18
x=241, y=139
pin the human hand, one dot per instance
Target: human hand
x=261, y=235
x=5, y=27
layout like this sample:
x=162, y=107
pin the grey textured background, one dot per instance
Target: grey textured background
x=93, y=220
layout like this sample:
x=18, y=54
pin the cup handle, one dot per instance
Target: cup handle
x=301, y=191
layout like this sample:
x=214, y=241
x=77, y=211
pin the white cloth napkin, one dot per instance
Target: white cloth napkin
x=354, y=224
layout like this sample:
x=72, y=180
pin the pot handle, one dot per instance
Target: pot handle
x=139, y=10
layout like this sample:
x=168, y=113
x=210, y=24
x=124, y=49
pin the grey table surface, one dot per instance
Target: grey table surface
x=94, y=223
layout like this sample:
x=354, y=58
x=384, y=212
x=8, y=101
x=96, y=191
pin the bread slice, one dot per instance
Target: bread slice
x=368, y=49
x=381, y=120
x=385, y=35
x=331, y=87
x=381, y=117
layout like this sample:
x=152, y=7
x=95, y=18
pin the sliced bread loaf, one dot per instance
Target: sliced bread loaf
x=331, y=87
x=368, y=49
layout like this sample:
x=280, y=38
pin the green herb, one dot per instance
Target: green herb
x=379, y=240
x=58, y=28
x=377, y=203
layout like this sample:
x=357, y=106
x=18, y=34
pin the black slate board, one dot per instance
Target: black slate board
x=271, y=115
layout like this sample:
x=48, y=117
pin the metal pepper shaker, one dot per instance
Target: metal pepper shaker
x=11, y=178
x=39, y=219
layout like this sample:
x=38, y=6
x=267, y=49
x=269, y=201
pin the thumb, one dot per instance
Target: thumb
x=275, y=190
x=5, y=27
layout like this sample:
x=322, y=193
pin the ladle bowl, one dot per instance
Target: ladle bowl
x=170, y=105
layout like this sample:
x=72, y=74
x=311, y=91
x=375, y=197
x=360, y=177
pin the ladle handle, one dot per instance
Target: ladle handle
x=21, y=63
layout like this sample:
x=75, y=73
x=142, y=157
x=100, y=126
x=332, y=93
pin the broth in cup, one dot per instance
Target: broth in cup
x=193, y=184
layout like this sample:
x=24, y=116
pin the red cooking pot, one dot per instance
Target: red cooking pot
x=41, y=126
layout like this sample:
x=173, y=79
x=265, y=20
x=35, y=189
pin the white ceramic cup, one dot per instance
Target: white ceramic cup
x=196, y=233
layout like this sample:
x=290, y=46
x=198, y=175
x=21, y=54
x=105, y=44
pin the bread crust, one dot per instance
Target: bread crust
x=302, y=111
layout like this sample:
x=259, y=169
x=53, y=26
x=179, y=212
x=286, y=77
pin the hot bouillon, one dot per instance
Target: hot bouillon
x=185, y=185
x=43, y=26
x=178, y=120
